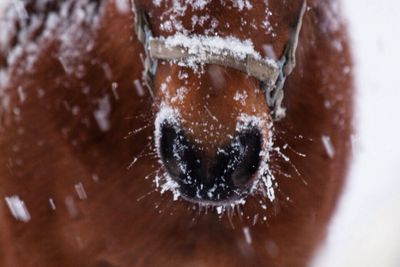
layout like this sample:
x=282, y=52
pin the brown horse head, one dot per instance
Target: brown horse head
x=213, y=127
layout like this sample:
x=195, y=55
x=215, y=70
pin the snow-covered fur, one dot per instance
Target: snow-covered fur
x=81, y=168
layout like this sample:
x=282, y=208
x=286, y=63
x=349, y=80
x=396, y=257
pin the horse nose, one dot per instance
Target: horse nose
x=223, y=175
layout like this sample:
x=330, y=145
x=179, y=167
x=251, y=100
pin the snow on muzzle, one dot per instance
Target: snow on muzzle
x=226, y=176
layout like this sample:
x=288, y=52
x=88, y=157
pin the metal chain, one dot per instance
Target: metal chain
x=274, y=93
x=144, y=34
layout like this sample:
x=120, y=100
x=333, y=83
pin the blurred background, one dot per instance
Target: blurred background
x=366, y=228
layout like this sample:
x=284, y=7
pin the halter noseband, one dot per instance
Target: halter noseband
x=271, y=74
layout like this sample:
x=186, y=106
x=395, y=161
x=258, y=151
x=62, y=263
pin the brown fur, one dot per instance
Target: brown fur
x=46, y=150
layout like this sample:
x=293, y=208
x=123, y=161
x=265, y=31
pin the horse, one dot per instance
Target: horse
x=229, y=147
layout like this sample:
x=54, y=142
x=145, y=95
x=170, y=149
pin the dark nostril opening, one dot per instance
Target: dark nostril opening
x=169, y=137
x=179, y=157
x=226, y=175
x=248, y=159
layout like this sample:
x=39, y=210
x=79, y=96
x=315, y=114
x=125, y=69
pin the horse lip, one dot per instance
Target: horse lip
x=217, y=203
x=238, y=197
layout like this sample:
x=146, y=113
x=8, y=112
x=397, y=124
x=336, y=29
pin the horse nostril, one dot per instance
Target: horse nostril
x=226, y=175
x=248, y=145
x=168, y=145
x=178, y=156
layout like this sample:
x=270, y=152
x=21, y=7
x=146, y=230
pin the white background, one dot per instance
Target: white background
x=366, y=228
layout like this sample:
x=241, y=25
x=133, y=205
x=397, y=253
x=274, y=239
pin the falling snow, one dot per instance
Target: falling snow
x=139, y=88
x=18, y=208
x=52, y=204
x=326, y=141
x=80, y=190
x=247, y=235
x=102, y=113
